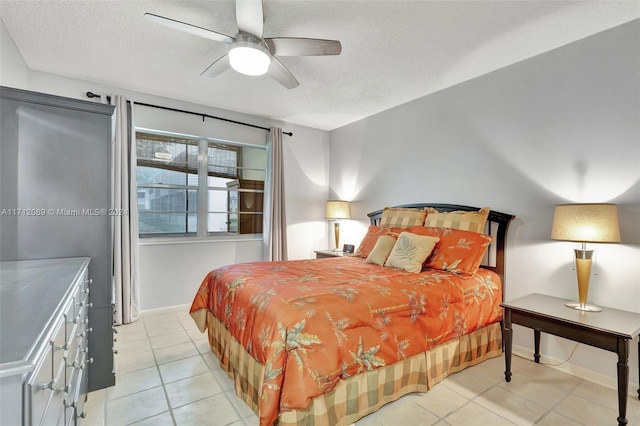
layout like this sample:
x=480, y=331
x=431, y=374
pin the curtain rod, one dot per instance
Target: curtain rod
x=92, y=95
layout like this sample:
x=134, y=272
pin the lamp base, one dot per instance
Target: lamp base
x=586, y=307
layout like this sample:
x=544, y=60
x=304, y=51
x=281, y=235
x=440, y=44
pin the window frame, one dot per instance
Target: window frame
x=202, y=234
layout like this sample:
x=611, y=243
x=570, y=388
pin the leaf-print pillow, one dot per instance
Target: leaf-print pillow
x=410, y=252
x=457, y=251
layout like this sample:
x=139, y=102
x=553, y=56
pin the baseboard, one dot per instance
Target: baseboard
x=167, y=309
x=574, y=370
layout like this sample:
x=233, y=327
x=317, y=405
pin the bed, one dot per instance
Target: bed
x=328, y=341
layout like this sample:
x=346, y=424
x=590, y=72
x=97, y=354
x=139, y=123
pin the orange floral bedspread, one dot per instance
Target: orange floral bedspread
x=313, y=322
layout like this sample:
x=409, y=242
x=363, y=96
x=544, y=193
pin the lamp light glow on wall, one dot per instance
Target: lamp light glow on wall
x=585, y=223
x=335, y=211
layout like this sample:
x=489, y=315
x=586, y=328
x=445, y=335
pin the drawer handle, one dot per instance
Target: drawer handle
x=83, y=414
x=62, y=347
x=49, y=385
x=66, y=389
x=90, y=281
x=84, y=333
x=79, y=320
x=84, y=364
x=77, y=365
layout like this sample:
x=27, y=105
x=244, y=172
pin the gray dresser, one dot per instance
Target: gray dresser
x=44, y=328
x=55, y=174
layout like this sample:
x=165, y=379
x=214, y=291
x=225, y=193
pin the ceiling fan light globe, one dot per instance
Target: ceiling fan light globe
x=249, y=60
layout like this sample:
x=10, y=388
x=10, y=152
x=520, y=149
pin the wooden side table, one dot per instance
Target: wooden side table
x=611, y=329
x=322, y=254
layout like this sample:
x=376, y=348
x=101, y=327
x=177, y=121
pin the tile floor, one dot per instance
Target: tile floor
x=166, y=375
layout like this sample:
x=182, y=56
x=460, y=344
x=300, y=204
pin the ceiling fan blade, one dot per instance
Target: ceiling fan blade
x=250, y=16
x=290, y=46
x=217, y=68
x=281, y=74
x=188, y=28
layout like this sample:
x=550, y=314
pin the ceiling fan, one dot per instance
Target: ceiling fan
x=250, y=53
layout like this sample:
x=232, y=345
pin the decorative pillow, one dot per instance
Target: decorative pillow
x=401, y=217
x=381, y=250
x=410, y=252
x=369, y=240
x=371, y=237
x=468, y=221
x=457, y=251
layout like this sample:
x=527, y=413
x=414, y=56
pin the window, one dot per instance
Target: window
x=198, y=186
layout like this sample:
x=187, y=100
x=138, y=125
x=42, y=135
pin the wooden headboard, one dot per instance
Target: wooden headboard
x=497, y=225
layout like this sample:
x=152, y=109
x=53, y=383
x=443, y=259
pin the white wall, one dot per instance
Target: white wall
x=13, y=70
x=171, y=273
x=561, y=127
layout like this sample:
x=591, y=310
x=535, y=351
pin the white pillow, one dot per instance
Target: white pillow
x=410, y=251
x=381, y=250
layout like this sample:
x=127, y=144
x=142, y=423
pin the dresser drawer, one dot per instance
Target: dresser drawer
x=72, y=346
x=82, y=396
x=39, y=388
x=82, y=300
x=75, y=374
x=59, y=345
x=55, y=414
x=69, y=314
x=47, y=385
x=76, y=399
x=83, y=303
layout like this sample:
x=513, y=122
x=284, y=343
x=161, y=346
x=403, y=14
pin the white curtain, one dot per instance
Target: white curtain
x=275, y=224
x=125, y=226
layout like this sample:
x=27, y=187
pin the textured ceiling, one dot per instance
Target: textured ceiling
x=392, y=51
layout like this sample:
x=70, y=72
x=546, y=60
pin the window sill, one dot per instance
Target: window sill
x=153, y=241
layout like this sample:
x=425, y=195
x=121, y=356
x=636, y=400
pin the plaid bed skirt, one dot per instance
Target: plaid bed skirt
x=363, y=393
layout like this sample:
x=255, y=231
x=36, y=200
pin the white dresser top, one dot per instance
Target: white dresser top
x=31, y=295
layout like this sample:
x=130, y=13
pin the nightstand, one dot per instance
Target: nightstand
x=323, y=254
x=611, y=330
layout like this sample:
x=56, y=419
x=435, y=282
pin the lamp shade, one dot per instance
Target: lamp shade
x=586, y=223
x=337, y=210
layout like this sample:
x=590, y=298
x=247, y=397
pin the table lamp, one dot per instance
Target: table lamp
x=335, y=211
x=585, y=223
